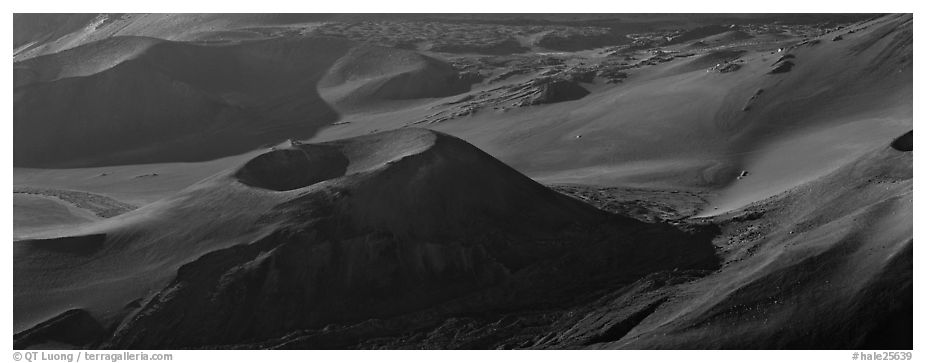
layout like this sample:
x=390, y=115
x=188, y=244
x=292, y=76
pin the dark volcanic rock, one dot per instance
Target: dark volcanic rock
x=726, y=67
x=783, y=58
x=557, y=85
x=904, y=142
x=752, y=100
x=552, y=90
x=579, y=74
x=782, y=67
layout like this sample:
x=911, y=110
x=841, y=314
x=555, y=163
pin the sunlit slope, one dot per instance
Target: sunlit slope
x=681, y=126
x=831, y=268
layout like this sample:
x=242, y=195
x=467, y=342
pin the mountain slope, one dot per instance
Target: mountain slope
x=140, y=100
x=741, y=187
x=825, y=265
x=675, y=126
x=339, y=232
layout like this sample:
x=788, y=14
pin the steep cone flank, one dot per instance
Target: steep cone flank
x=417, y=181
x=342, y=231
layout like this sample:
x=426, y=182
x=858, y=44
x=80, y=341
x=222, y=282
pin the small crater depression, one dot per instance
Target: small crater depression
x=293, y=168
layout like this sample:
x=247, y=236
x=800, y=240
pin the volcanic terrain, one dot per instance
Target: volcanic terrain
x=457, y=181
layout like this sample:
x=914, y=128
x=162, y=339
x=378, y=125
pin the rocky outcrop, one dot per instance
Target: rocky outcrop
x=783, y=67
x=561, y=87
x=551, y=90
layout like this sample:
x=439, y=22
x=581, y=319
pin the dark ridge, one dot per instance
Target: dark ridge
x=904, y=142
x=784, y=67
x=783, y=58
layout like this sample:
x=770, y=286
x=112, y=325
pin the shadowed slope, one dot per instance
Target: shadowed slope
x=171, y=102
